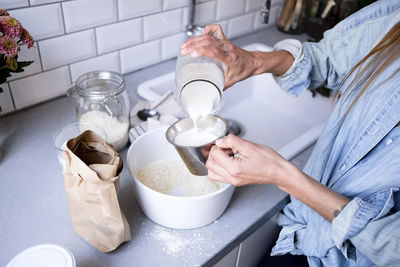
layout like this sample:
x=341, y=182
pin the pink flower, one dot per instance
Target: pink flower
x=3, y=13
x=8, y=46
x=27, y=38
x=10, y=26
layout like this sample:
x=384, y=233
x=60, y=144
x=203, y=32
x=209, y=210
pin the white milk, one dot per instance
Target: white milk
x=200, y=99
x=200, y=93
x=195, y=137
x=200, y=88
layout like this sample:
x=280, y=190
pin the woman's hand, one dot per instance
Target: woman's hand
x=257, y=164
x=253, y=163
x=213, y=43
x=240, y=63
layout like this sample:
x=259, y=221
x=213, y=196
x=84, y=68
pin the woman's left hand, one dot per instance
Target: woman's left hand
x=253, y=163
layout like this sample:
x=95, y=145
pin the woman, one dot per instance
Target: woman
x=344, y=208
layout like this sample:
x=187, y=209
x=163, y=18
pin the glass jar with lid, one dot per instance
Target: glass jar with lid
x=200, y=84
x=101, y=99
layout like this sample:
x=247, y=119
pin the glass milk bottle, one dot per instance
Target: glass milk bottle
x=101, y=99
x=200, y=84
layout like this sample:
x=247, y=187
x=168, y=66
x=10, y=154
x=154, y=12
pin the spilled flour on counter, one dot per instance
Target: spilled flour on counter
x=185, y=247
x=170, y=176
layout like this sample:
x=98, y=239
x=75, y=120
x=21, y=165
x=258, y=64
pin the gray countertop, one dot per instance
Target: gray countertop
x=34, y=207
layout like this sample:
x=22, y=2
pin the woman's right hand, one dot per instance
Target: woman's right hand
x=213, y=43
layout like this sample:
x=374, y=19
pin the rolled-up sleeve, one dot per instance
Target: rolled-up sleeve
x=366, y=219
x=327, y=62
x=295, y=79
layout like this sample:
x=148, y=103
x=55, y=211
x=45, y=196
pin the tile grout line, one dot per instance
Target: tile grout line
x=95, y=42
x=40, y=58
x=12, y=97
x=117, y=6
x=70, y=74
x=63, y=18
x=36, y=5
x=119, y=62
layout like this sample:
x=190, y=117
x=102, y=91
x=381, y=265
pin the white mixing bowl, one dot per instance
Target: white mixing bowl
x=171, y=211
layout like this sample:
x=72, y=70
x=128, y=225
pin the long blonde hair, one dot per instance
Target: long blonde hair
x=374, y=63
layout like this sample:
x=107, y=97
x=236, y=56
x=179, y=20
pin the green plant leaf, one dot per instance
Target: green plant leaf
x=22, y=65
x=4, y=74
x=1, y=91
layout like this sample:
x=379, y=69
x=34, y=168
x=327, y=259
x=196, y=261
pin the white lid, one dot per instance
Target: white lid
x=45, y=255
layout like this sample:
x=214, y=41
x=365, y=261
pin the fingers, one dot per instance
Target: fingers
x=234, y=143
x=216, y=170
x=192, y=40
x=221, y=156
x=201, y=45
x=223, y=168
x=210, y=32
x=215, y=177
x=216, y=30
x=206, y=46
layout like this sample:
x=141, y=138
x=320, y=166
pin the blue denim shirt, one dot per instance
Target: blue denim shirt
x=357, y=155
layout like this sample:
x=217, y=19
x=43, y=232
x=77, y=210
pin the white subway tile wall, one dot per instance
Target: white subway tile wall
x=6, y=102
x=13, y=3
x=135, y=8
x=205, y=13
x=119, y=35
x=242, y=25
x=162, y=24
x=41, y=21
x=76, y=36
x=67, y=49
x=105, y=62
x=254, y=5
x=39, y=2
x=170, y=45
x=80, y=15
x=227, y=9
x=140, y=56
x=39, y=87
x=169, y=4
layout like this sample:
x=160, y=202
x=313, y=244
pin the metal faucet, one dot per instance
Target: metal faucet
x=191, y=29
x=265, y=12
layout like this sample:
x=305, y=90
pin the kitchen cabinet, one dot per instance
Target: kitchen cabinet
x=249, y=252
x=252, y=249
x=229, y=260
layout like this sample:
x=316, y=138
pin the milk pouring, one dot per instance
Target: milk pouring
x=193, y=145
x=200, y=82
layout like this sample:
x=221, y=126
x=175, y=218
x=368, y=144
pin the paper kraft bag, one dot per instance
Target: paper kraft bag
x=91, y=180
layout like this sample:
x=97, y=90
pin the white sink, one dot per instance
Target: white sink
x=268, y=115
